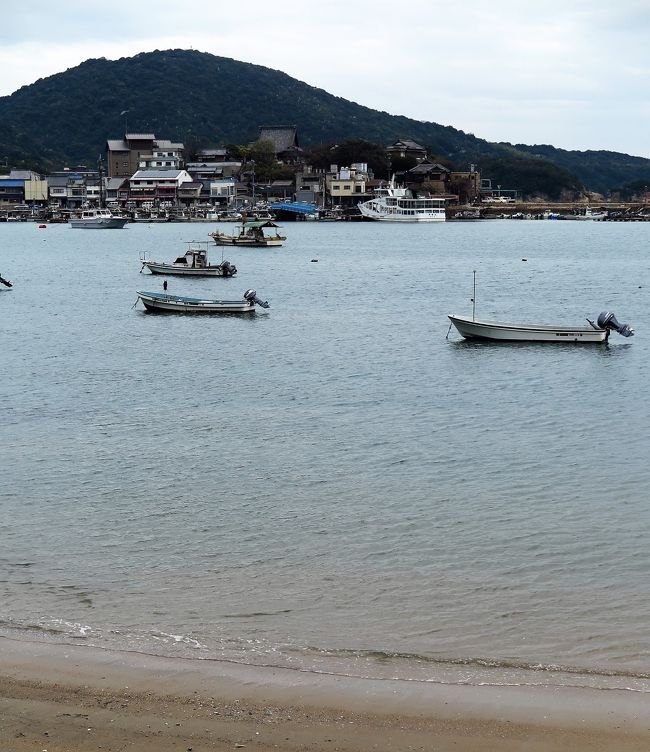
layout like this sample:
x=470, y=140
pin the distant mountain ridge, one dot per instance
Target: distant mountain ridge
x=202, y=100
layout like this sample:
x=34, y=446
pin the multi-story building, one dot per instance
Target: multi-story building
x=141, y=151
x=23, y=187
x=347, y=186
x=157, y=187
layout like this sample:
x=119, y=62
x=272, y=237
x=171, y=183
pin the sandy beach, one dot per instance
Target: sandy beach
x=71, y=698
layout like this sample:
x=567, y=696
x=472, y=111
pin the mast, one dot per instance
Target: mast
x=100, y=170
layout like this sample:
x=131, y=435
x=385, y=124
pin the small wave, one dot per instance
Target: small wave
x=255, y=614
x=477, y=662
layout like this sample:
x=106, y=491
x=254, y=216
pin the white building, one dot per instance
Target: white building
x=156, y=186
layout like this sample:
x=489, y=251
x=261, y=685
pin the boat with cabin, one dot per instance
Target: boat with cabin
x=193, y=263
x=98, y=219
x=589, y=214
x=251, y=235
x=157, y=302
x=397, y=204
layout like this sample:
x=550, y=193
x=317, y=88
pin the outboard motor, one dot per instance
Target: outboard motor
x=251, y=296
x=607, y=320
x=228, y=269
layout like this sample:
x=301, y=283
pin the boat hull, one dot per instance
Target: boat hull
x=379, y=217
x=101, y=223
x=246, y=243
x=164, y=303
x=497, y=332
x=210, y=271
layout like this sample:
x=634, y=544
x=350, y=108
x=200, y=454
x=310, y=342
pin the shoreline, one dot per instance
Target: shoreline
x=74, y=698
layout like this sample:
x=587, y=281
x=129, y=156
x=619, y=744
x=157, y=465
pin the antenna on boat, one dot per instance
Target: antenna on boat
x=474, y=297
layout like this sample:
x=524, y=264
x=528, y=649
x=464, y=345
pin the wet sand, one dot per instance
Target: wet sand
x=72, y=698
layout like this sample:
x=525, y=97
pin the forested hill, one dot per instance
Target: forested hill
x=202, y=100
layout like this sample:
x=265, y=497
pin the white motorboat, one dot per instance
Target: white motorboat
x=476, y=329
x=165, y=303
x=98, y=219
x=589, y=214
x=193, y=263
x=396, y=204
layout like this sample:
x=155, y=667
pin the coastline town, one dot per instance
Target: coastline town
x=150, y=179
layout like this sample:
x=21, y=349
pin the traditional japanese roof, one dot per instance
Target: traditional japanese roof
x=282, y=137
x=405, y=143
x=425, y=168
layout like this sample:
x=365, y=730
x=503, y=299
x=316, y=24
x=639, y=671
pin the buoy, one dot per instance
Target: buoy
x=42, y=227
x=314, y=261
x=524, y=259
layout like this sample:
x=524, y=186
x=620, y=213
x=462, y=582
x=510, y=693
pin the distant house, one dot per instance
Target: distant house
x=347, y=185
x=212, y=155
x=141, y=151
x=285, y=142
x=407, y=148
x=433, y=176
x=117, y=190
x=23, y=187
x=160, y=186
x=67, y=189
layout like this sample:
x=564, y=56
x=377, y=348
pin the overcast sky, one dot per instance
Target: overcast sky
x=572, y=73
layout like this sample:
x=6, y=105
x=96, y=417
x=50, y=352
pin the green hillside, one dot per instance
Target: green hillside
x=203, y=100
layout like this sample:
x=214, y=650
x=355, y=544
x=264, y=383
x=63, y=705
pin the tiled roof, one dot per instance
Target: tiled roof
x=117, y=144
x=282, y=137
x=425, y=168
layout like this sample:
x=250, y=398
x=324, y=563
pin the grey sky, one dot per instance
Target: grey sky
x=575, y=74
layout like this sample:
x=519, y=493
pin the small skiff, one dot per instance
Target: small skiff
x=494, y=331
x=165, y=303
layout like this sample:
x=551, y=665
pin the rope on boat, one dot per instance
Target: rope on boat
x=448, y=330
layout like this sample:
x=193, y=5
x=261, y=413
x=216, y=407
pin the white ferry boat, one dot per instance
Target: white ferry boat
x=397, y=204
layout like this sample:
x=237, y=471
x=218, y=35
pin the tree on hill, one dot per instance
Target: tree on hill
x=533, y=177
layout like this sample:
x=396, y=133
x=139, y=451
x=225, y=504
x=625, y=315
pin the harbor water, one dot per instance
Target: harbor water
x=333, y=484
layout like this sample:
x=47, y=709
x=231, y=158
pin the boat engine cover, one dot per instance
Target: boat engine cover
x=607, y=320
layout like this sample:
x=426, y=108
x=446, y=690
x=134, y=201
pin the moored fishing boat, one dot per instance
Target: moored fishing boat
x=193, y=263
x=251, y=235
x=166, y=303
x=476, y=329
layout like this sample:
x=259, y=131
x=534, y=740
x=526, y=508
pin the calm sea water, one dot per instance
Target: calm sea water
x=332, y=484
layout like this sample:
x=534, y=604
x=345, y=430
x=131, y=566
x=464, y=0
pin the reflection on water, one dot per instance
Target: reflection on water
x=332, y=479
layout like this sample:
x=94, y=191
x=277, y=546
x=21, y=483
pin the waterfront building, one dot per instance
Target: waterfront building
x=348, y=185
x=160, y=186
x=23, y=187
x=123, y=156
